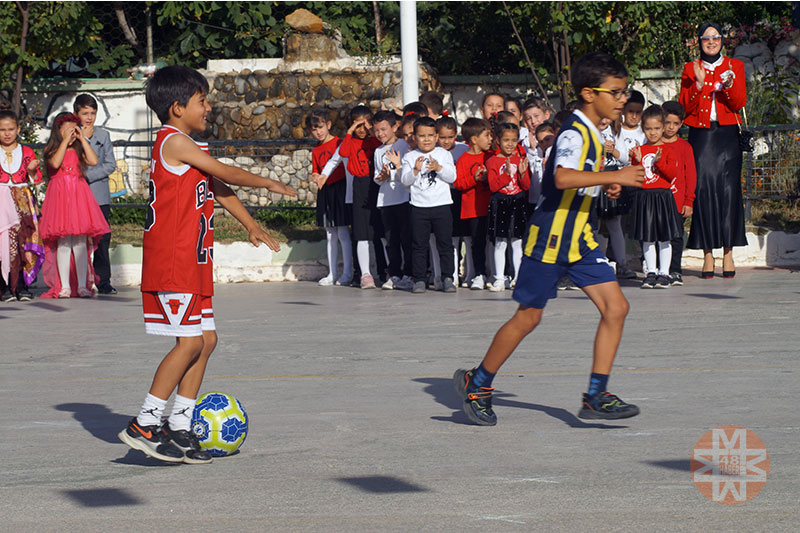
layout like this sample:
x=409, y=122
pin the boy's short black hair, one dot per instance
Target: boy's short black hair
x=357, y=112
x=635, y=98
x=418, y=108
x=384, y=115
x=84, y=100
x=426, y=122
x=544, y=126
x=560, y=117
x=535, y=102
x=593, y=69
x=674, y=108
x=472, y=127
x=410, y=118
x=433, y=101
x=7, y=114
x=316, y=117
x=172, y=84
x=654, y=111
x=446, y=123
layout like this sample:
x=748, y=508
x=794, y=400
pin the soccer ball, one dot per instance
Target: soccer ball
x=220, y=423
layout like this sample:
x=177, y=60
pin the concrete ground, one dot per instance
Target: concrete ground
x=354, y=424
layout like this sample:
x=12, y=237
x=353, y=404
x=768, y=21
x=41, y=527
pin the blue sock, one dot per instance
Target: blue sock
x=482, y=377
x=597, y=384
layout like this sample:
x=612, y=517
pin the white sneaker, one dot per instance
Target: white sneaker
x=345, y=280
x=513, y=283
x=498, y=286
x=438, y=285
x=405, y=284
x=391, y=283
x=327, y=281
x=478, y=283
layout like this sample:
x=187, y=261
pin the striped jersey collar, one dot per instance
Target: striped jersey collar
x=583, y=118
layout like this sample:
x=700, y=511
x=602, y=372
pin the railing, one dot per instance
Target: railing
x=772, y=169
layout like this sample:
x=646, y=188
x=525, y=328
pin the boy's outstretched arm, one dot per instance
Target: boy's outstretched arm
x=228, y=199
x=181, y=150
x=567, y=178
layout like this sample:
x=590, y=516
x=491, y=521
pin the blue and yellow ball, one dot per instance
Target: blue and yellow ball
x=220, y=423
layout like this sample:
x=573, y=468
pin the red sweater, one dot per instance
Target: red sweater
x=658, y=175
x=505, y=180
x=321, y=154
x=683, y=186
x=359, y=154
x=697, y=102
x=475, y=195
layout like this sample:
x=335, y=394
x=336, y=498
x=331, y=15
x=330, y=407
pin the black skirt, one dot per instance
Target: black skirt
x=654, y=216
x=508, y=215
x=718, y=218
x=367, y=222
x=331, y=209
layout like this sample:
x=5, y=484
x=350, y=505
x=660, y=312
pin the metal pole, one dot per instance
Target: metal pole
x=408, y=48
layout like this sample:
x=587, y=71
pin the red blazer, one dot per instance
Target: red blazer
x=697, y=102
x=683, y=186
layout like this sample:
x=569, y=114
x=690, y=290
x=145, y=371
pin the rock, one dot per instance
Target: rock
x=252, y=81
x=337, y=104
x=763, y=64
x=323, y=94
x=387, y=79
x=292, y=105
x=276, y=89
x=280, y=160
x=220, y=120
x=247, y=112
x=278, y=102
x=304, y=47
x=259, y=109
x=275, y=197
x=760, y=49
x=253, y=198
x=245, y=72
x=262, y=200
x=263, y=80
x=303, y=84
x=236, y=114
x=240, y=84
x=250, y=97
x=245, y=161
x=315, y=81
x=286, y=178
x=304, y=21
x=219, y=82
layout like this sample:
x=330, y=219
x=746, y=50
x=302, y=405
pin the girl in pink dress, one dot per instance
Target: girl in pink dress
x=71, y=219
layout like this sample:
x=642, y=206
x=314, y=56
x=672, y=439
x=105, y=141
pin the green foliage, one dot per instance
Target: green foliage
x=293, y=218
x=128, y=215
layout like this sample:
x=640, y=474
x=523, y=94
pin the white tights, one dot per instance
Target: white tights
x=664, y=257
x=500, y=246
x=335, y=236
x=67, y=246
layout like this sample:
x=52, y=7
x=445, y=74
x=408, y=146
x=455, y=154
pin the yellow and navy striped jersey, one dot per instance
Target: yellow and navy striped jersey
x=559, y=230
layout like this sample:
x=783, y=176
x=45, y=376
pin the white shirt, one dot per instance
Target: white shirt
x=628, y=140
x=712, y=66
x=16, y=160
x=569, y=146
x=392, y=192
x=608, y=135
x=331, y=165
x=429, y=188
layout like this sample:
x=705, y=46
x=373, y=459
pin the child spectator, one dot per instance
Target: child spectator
x=85, y=107
x=417, y=108
x=654, y=219
x=333, y=213
x=492, y=104
x=433, y=102
x=683, y=186
x=630, y=134
x=177, y=265
x=514, y=105
x=428, y=172
x=393, y=199
x=358, y=146
x=509, y=180
x=71, y=218
x=545, y=137
x=447, y=130
x=21, y=248
x=560, y=241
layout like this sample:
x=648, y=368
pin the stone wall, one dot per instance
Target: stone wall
x=292, y=168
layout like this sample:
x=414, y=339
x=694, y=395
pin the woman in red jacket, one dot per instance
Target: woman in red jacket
x=713, y=90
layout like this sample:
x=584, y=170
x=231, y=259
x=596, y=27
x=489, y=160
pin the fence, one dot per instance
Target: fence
x=772, y=169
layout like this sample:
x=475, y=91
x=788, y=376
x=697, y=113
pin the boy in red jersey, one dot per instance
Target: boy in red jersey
x=683, y=187
x=177, y=265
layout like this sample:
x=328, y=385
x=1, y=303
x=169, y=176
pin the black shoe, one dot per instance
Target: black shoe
x=419, y=287
x=449, y=286
x=477, y=400
x=24, y=295
x=188, y=444
x=676, y=279
x=650, y=281
x=106, y=289
x=662, y=282
x=152, y=441
x=6, y=296
x=606, y=406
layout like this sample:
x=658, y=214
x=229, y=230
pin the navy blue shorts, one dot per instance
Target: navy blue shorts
x=538, y=282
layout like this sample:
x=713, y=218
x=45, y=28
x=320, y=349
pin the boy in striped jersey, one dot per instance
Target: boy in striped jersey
x=560, y=240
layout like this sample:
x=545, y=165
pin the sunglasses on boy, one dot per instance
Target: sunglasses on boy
x=618, y=94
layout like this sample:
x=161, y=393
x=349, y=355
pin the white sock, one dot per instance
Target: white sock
x=468, y=253
x=516, y=255
x=664, y=257
x=63, y=256
x=615, y=235
x=182, y=411
x=649, y=251
x=347, y=250
x=500, y=246
x=152, y=410
x=362, y=250
x=81, y=259
x=332, y=237
x=435, y=263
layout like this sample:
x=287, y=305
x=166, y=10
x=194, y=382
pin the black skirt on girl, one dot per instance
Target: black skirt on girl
x=331, y=209
x=718, y=218
x=366, y=217
x=654, y=216
x=508, y=215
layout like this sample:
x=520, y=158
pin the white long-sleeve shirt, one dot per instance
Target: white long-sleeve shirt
x=392, y=191
x=429, y=188
x=331, y=165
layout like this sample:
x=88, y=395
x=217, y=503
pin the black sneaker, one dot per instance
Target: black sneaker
x=188, y=444
x=24, y=295
x=152, y=441
x=563, y=283
x=606, y=406
x=662, y=282
x=449, y=286
x=419, y=287
x=676, y=279
x=106, y=289
x=6, y=296
x=649, y=281
x=477, y=400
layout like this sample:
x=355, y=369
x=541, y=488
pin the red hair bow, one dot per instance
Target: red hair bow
x=445, y=112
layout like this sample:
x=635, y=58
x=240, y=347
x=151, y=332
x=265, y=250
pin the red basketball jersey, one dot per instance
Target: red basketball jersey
x=178, y=245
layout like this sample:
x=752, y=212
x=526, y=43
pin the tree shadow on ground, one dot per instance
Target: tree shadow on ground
x=444, y=394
